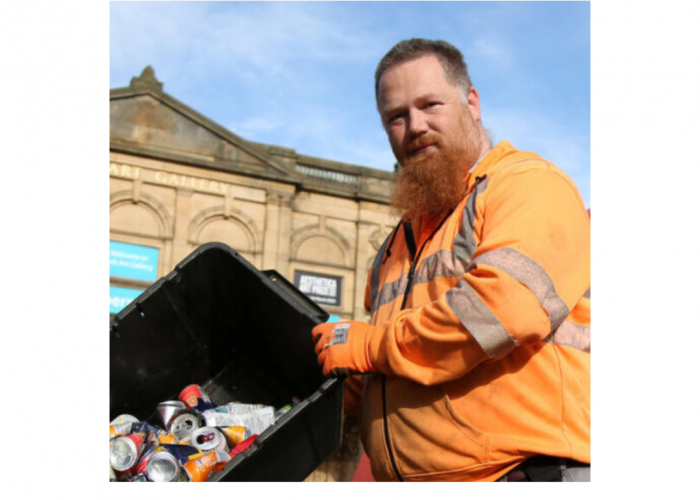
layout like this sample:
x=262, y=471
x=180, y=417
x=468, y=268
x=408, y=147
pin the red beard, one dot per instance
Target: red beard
x=432, y=182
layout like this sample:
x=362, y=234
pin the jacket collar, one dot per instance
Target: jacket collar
x=484, y=165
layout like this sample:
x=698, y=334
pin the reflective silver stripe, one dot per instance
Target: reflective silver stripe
x=572, y=335
x=529, y=273
x=391, y=291
x=465, y=242
x=440, y=264
x=478, y=319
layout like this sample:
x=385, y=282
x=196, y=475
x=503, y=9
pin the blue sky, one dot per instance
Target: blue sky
x=300, y=74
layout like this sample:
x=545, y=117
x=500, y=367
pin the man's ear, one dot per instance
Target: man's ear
x=474, y=105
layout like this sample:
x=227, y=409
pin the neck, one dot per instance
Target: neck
x=484, y=141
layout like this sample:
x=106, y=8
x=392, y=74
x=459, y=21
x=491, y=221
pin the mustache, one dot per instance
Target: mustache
x=422, y=141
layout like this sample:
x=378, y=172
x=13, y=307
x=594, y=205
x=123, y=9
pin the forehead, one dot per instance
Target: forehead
x=412, y=79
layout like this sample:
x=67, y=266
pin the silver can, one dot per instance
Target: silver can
x=123, y=453
x=162, y=467
x=183, y=425
x=169, y=410
x=208, y=439
x=124, y=419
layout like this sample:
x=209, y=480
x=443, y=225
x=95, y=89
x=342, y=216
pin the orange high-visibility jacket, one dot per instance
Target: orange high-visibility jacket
x=482, y=330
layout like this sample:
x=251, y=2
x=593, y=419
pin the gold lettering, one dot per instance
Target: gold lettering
x=124, y=170
x=201, y=184
x=173, y=180
x=192, y=181
x=160, y=177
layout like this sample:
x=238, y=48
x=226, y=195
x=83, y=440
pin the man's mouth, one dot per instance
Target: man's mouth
x=415, y=151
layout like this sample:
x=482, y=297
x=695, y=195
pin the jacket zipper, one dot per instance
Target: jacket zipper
x=411, y=244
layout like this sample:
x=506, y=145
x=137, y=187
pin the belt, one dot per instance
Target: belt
x=541, y=468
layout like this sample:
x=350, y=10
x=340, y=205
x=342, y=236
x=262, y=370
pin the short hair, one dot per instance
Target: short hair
x=450, y=58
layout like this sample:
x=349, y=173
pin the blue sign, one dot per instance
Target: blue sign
x=119, y=298
x=133, y=261
x=333, y=319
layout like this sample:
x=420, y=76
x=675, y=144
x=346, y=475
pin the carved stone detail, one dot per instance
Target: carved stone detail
x=147, y=80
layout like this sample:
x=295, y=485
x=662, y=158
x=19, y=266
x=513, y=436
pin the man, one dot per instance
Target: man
x=476, y=362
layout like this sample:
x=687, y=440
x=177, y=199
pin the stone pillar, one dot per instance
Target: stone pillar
x=285, y=235
x=181, y=247
x=272, y=230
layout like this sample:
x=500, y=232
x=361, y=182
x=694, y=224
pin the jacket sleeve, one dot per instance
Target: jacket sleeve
x=530, y=267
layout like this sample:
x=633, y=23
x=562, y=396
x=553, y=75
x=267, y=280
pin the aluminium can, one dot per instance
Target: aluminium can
x=155, y=434
x=208, y=439
x=169, y=410
x=140, y=467
x=183, y=425
x=235, y=434
x=124, y=419
x=196, y=399
x=164, y=467
x=181, y=452
x=121, y=425
x=124, y=452
x=202, y=468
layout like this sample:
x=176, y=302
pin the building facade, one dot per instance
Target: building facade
x=178, y=180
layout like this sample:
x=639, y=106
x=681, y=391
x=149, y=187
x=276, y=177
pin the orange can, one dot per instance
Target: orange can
x=167, y=438
x=234, y=434
x=202, y=468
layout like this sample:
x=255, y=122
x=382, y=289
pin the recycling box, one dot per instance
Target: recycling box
x=243, y=335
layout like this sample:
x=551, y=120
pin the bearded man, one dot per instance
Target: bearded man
x=476, y=361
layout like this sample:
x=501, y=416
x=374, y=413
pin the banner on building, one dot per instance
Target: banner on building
x=133, y=261
x=120, y=297
x=321, y=288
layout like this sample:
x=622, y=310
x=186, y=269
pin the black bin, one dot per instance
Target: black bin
x=243, y=335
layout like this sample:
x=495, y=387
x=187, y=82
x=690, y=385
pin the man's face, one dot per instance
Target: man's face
x=432, y=133
x=421, y=111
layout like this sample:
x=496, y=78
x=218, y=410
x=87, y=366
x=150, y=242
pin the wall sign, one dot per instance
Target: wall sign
x=321, y=288
x=120, y=297
x=133, y=261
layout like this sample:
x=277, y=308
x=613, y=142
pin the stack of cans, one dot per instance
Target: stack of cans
x=197, y=440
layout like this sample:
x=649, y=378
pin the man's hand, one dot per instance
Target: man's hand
x=342, y=347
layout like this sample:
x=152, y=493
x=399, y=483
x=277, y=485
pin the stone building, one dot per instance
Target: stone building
x=178, y=180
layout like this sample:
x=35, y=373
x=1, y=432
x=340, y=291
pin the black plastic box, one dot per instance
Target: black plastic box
x=243, y=335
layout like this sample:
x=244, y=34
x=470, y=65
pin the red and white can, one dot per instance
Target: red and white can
x=208, y=439
x=196, y=399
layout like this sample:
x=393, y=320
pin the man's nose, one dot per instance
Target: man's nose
x=417, y=123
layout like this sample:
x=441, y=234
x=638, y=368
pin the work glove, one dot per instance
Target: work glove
x=342, y=347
